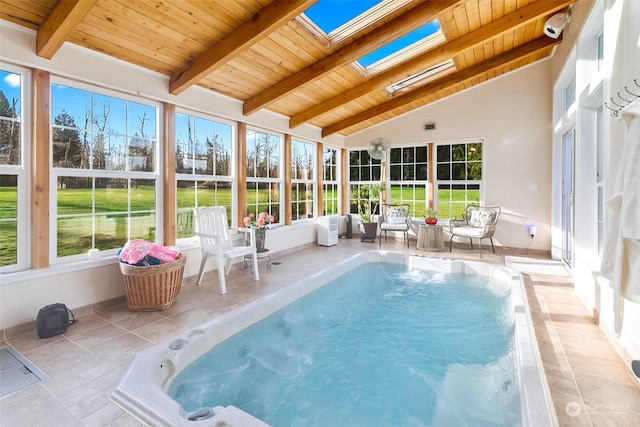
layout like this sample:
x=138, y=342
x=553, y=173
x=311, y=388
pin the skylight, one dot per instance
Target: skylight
x=332, y=14
x=397, y=45
x=340, y=19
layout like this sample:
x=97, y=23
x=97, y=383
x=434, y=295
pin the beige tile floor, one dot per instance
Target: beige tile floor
x=86, y=363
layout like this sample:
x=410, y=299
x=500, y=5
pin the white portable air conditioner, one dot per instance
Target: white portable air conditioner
x=328, y=230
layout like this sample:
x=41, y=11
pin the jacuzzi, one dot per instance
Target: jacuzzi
x=143, y=389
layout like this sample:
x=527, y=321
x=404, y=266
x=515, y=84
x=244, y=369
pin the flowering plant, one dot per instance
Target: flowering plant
x=261, y=221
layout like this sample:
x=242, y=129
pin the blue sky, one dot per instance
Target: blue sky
x=330, y=14
x=10, y=85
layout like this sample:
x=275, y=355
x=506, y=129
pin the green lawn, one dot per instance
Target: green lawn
x=76, y=224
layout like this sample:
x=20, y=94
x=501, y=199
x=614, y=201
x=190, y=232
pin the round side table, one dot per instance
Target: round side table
x=430, y=238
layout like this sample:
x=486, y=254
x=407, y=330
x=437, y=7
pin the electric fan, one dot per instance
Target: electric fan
x=378, y=148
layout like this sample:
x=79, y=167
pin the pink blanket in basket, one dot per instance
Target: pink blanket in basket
x=136, y=249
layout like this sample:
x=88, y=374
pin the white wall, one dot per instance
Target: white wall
x=620, y=20
x=511, y=113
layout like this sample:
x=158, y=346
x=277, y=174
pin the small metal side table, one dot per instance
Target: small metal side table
x=262, y=254
x=430, y=237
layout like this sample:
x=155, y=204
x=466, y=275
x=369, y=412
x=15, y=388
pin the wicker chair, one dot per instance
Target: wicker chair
x=395, y=218
x=479, y=223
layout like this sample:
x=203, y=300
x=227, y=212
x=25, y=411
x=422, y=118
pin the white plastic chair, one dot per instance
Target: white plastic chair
x=213, y=230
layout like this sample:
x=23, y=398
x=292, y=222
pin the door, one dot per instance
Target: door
x=567, y=196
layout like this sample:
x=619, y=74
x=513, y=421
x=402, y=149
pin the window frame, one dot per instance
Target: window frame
x=418, y=205
x=215, y=177
x=258, y=181
x=334, y=183
x=360, y=187
x=457, y=182
x=21, y=171
x=310, y=180
x=90, y=173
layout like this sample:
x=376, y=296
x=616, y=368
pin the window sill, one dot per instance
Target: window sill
x=62, y=268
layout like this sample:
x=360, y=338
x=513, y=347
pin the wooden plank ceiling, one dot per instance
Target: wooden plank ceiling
x=265, y=53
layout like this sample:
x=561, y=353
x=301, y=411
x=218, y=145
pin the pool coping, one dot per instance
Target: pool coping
x=143, y=389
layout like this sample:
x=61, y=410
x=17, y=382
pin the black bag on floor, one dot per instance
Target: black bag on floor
x=53, y=320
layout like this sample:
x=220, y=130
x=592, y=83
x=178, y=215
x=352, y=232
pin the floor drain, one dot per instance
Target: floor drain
x=16, y=372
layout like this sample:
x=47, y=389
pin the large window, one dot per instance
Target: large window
x=104, y=174
x=303, y=160
x=408, y=178
x=363, y=171
x=330, y=181
x=204, y=168
x=458, y=176
x=264, y=172
x=13, y=186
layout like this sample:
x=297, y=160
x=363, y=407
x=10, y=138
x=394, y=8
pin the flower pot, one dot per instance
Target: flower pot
x=368, y=231
x=261, y=234
x=431, y=220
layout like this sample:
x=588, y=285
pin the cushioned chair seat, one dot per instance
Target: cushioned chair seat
x=393, y=227
x=479, y=223
x=468, y=231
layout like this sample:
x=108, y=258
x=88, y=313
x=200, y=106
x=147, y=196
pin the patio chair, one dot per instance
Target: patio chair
x=395, y=218
x=479, y=223
x=213, y=230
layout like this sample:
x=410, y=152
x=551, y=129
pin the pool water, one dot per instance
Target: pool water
x=382, y=345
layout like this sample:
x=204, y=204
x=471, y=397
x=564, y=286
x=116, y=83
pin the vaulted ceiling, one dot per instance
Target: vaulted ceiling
x=269, y=55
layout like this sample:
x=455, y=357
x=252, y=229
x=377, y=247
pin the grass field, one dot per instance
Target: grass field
x=103, y=222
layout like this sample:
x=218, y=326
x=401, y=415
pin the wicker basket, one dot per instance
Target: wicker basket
x=155, y=287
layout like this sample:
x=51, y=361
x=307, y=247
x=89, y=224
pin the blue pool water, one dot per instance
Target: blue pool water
x=382, y=345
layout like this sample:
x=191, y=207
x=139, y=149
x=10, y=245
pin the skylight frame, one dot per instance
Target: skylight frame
x=355, y=25
x=421, y=78
x=405, y=53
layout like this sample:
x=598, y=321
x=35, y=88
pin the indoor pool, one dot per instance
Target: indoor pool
x=385, y=339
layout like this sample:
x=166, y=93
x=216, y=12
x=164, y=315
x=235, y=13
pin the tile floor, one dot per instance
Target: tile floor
x=86, y=363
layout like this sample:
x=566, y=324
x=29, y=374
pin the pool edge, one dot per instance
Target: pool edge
x=162, y=362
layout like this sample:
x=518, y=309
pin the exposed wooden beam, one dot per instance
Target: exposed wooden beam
x=534, y=46
x=397, y=27
x=432, y=57
x=261, y=25
x=59, y=25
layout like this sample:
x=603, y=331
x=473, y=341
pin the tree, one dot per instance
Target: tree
x=67, y=150
x=99, y=150
x=9, y=131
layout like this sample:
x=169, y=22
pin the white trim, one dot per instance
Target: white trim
x=22, y=171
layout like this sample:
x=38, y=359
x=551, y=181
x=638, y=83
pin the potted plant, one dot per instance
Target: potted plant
x=260, y=224
x=368, y=209
x=430, y=217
